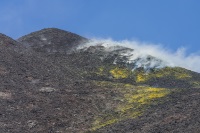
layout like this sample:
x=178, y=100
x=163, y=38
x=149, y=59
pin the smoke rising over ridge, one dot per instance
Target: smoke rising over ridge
x=142, y=50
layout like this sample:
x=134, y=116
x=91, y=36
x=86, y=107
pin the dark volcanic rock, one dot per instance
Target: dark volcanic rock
x=52, y=40
x=7, y=41
x=43, y=90
x=24, y=90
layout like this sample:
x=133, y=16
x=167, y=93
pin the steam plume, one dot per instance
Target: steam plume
x=169, y=58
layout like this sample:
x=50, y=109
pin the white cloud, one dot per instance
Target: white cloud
x=177, y=58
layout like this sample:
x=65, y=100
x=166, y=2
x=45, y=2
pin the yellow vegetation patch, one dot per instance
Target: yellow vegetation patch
x=134, y=101
x=100, y=70
x=120, y=73
x=153, y=96
x=141, y=77
x=145, y=95
x=99, y=124
x=182, y=75
x=175, y=73
x=128, y=85
x=195, y=84
x=151, y=89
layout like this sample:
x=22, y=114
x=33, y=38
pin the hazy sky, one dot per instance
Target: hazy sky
x=172, y=23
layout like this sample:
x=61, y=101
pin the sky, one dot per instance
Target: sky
x=173, y=24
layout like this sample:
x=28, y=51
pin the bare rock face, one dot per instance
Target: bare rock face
x=52, y=40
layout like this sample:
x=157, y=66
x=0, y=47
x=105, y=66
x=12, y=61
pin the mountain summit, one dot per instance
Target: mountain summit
x=57, y=81
x=52, y=40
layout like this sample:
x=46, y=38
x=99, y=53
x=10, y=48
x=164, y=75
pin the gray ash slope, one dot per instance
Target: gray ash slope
x=46, y=86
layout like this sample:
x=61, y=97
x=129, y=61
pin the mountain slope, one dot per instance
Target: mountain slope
x=47, y=85
x=26, y=81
